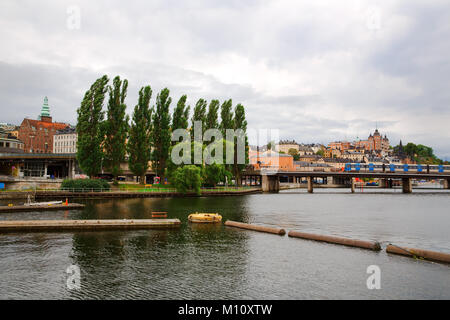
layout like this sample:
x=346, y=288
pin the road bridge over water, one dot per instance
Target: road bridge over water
x=270, y=179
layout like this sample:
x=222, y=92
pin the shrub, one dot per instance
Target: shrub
x=86, y=184
x=188, y=178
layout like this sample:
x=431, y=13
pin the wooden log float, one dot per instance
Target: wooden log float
x=419, y=253
x=241, y=225
x=18, y=208
x=63, y=225
x=372, y=245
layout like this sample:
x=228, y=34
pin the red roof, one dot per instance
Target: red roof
x=38, y=123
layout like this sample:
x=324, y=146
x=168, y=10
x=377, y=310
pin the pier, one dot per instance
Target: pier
x=85, y=225
x=22, y=208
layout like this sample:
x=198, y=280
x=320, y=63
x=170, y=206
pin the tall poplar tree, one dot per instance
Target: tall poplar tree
x=161, y=133
x=240, y=123
x=180, y=118
x=199, y=115
x=116, y=127
x=139, y=141
x=212, y=118
x=90, y=136
x=226, y=114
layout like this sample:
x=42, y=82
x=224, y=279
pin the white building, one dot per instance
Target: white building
x=65, y=141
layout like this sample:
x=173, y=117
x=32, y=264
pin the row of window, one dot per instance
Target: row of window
x=14, y=145
x=64, y=143
x=64, y=137
x=65, y=150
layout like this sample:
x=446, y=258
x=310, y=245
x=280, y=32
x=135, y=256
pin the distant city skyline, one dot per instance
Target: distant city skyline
x=318, y=71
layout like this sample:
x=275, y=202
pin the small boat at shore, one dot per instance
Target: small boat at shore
x=49, y=203
x=204, y=217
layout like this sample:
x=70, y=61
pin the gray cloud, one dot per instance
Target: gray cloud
x=314, y=70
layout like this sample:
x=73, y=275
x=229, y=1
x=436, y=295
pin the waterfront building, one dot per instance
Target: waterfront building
x=37, y=135
x=273, y=160
x=65, y=141
x=9, y=143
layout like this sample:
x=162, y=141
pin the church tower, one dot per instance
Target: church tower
x=45, y=112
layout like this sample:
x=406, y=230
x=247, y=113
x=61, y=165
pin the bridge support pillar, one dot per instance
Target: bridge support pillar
x=270, y=184
x=353, y=185
x=407, y=185
x=310, y=184
x=446, y=183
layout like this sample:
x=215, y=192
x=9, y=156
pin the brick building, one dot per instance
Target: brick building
x=375, y=142
x=37, y=135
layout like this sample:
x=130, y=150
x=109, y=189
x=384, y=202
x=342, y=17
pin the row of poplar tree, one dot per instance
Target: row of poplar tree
x=105, y=139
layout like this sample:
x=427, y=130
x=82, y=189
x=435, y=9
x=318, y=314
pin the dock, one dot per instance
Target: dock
x=85, y=225
x=22, y=208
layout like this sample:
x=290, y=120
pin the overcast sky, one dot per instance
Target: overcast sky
x=316, y=70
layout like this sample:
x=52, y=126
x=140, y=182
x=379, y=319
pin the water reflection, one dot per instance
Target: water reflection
x=217, y=262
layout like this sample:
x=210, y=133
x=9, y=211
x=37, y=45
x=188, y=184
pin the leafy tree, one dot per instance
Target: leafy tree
x=226, y=115
x=212, y=118
x=199, y=115
x=90, y=137
x=116, y=127
x=294, y=153
x=139, y=142
x=188, y=178
x=161, y=133
x=215, y=173
x=320, y=152
x=240, y=123
x=181, y=114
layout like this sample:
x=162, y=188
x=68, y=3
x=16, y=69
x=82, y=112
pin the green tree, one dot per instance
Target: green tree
x=139, y=141
x=181, y=114
x=212, y=118
x=188, y=178
x=161, y=133
x=215, y=173
x=294, y=153
x=226, y=115
x=199, y=115
x=116, y=127
x=90, y=136
x=240, y=124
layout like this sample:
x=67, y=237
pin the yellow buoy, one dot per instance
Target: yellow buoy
x=205, y=217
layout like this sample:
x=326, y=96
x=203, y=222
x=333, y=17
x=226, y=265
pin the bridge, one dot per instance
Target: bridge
x=270, y=177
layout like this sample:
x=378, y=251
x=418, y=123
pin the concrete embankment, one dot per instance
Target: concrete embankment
x=336, y=240
x=13, y=195
x=419, y=253
x=138, y=194
x=85, y=225
x=241, y=225
x=18, y=208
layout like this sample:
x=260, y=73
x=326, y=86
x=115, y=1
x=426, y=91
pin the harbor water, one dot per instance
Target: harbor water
x=202, y=261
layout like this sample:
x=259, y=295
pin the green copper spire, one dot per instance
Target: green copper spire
x=45, y=112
